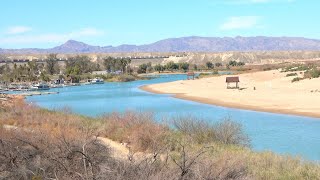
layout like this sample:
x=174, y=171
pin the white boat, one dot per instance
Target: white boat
x=23, y=87
x=56, y=86
x=39, y=86
x=75, y=84
x=97, y=81
x=87, y=83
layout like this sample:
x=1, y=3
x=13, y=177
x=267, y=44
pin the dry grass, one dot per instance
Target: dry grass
x=63, y=145
x=139, y=130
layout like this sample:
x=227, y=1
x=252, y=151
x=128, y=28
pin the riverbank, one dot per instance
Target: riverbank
x=116, y=141
x=268, y=91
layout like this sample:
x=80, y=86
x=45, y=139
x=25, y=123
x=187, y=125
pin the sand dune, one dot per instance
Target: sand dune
x=274, y=93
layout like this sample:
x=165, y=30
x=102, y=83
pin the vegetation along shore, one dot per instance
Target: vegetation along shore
x=131, y=145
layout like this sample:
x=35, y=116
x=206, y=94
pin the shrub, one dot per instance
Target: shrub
x=199, y=131
x=297, y=68
x=125, y=78
x=209, y=65
x=314, y=73
x=202, y=132
x=51, y=150
x=203, y=75
x=54, y=145
x=291, y=74
x=230, y=132
x=138, y=129
x=267, y=69
x=296, y=79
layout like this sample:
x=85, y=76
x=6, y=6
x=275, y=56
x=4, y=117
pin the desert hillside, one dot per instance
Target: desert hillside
x=263, y=57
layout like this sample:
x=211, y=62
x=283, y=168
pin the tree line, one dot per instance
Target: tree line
x=184, y=66
x=78, y=65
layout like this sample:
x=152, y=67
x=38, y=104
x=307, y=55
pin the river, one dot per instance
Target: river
x=283, y=134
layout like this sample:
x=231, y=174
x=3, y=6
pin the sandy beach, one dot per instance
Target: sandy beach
x=274, y=92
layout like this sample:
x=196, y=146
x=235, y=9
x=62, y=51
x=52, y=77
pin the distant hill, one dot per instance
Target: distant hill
x=187, y=44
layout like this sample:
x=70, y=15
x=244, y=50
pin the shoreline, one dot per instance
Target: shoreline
x=217, y=102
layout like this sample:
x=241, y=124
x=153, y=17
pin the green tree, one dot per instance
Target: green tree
x=79, y=65
x=52, y=66
x=233, y=63
x=218, y=64
x=124, y=63
x=184, y=66
x=2, y=69
x=209, y=65
x=142, y=68
x=111, y=64
x=195, y=67
x=128, y=69
x=158, y=68
x=44, y=77
x=108, y=63
x=171, y=66
x=240, y=64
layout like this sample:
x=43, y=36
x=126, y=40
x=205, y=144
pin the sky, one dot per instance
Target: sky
x=49, y=23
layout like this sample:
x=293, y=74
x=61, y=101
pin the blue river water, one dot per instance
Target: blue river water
x=283, y=134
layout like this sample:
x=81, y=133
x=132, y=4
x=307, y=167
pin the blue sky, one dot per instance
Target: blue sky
x=47, y=23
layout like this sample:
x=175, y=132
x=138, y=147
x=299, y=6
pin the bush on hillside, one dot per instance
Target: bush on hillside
x=203, y=132
x=291, y=74
x=296, y=79
x=44, y=144
x=139, y=130
x=313, y=73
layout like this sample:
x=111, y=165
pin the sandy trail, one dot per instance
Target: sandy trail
x=274, y=92
x=118, y=150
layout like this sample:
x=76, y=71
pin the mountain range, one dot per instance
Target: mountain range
x=186, y=44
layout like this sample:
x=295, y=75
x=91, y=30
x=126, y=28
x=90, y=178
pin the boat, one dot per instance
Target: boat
x=13, y=87
x=23, y=87
x=88, y=82
x=39, y=86
x=97, y=81
x=75, y=84
x=56, y=86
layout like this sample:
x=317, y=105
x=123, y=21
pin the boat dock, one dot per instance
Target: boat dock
x=37, y=93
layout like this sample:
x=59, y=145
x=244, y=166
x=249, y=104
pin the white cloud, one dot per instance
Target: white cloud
x=18, y=29
x=241, y=22
x=51, y=37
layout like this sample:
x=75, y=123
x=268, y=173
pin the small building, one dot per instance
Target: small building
x=232, y=80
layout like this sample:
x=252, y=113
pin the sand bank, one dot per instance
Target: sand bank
x=269, y=91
